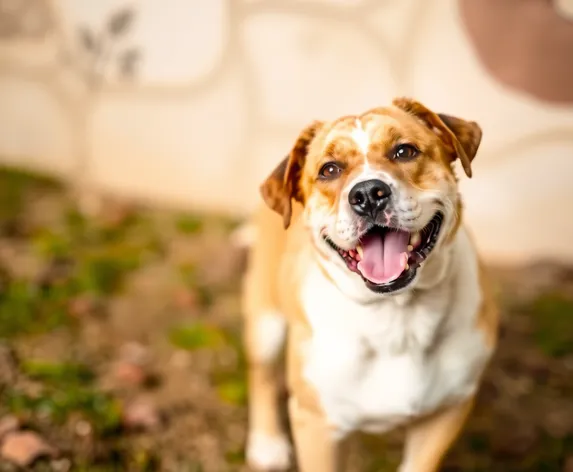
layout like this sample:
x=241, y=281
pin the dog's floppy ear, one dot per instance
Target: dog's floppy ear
x=468, y=135
x=282, y=185
x=463, y=136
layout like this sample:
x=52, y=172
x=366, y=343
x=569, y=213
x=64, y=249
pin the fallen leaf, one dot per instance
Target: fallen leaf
x=23, y=448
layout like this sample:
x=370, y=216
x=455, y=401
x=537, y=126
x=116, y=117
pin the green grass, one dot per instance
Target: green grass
x=26, y=309
x=78, y=257
x=58, y=373
x=67, y=388
x=189, y=224
x=196, y=335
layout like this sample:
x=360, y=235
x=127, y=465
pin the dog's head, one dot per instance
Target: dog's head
x=379, y=192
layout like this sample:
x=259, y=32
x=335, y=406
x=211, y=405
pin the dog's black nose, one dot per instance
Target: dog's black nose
x=370, y=197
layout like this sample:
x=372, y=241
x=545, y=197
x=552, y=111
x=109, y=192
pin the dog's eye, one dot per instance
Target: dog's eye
x=405, y=152
x=330, y=171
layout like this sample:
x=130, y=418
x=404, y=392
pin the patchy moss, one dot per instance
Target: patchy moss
x=121, y=459
x=41, y=305
x=195, y=336
x=67, y=388
x=233, y=390
x=25, y=309
x=15, y=185
x=552, y=315
x=57, y=405
x=189, y=224
x=58, y=373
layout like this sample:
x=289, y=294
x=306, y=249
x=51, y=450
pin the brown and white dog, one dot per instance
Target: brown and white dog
x=389, y=318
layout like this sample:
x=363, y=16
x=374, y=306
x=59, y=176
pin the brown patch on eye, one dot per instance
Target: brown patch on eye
x=423, y=173
x=341, y=149
x=394, y=134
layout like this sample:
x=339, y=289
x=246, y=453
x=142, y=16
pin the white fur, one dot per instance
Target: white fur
x=266, y=452
x=377, y=362
x=360, y=136
x=270, y=331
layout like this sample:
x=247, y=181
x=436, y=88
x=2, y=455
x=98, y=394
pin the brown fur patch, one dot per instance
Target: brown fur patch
x=283, y=185
x=461, y=137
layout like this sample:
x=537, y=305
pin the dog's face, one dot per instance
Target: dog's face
x=379, y=193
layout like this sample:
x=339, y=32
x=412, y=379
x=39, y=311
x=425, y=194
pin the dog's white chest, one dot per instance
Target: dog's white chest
x=377, y=366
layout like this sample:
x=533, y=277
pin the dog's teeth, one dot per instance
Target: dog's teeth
x=410, y=248
x=407, y=267
x=415, y=239
x=359, y=250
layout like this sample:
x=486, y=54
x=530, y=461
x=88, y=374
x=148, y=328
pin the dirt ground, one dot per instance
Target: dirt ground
x=120, y=348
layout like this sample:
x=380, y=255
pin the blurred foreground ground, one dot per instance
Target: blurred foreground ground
x=120, y=348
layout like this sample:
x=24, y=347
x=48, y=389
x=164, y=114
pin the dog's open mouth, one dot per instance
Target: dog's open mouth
x=387, y=258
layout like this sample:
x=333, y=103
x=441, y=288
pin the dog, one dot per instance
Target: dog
x=361, y=267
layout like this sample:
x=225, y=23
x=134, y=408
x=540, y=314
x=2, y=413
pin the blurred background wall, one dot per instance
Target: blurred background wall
x=192, y=102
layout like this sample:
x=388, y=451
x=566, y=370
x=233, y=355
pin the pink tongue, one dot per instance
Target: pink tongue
x=385, y=256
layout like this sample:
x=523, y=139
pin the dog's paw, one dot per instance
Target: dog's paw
x=268, y=453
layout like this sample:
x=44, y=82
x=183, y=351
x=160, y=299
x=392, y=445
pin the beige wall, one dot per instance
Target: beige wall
x=223, y=87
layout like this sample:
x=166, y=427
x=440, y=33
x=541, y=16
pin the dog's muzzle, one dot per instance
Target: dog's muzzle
x=369, y=198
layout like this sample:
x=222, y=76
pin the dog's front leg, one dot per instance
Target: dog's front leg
x=317, y=448
x=428, y=441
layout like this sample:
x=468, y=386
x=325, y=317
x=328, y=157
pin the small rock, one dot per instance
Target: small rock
x=83, y=428
x=127, y=374
x=141, y=414
x=23, y=448
x=83, y=305
x=61, y=465
x=134, y=353
x=8, y=424
x=186, y=299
